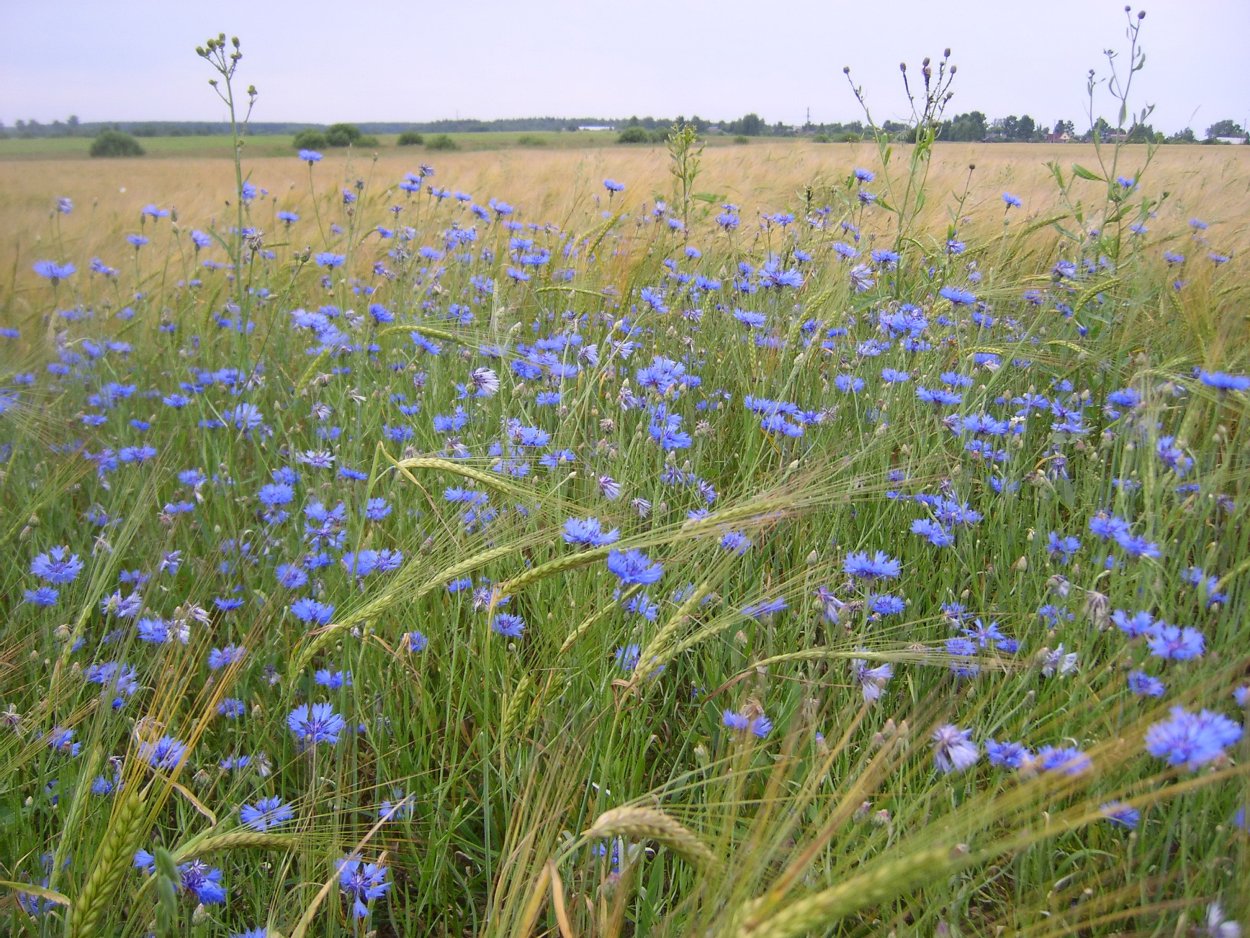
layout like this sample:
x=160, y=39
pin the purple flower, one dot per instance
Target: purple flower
x=362, y=883
x=953, y=750
x=634, y=567
x=1191, y=739
x=314, y=724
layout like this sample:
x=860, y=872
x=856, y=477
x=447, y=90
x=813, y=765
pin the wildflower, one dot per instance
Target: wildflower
x=204, y=881
x=508, y=625
x=57, y=566
x=310, y=156
x=588, y=532
x=880, y=566
x=1142, y=684
x=314, y=724
x=165, y=753
x=362, y=883
x=53, y=271
x=416, y=642
x=613, y=186
x=1121, y=815
x=1224, y=382
x=1007, y=754
x=634, y=567
x=953, y=750
x=871, y=681
x=1191, y=739
x=1066, y=761
x=266, y=814
x=1011, y=200
x=1178, y=643
x=958, y=297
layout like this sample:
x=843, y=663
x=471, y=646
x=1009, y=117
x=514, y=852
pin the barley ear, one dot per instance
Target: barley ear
x=99, y=893
x=651, y=824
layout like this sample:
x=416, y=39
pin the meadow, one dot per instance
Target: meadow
x=775, y=540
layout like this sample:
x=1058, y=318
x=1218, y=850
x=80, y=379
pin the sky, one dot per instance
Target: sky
x=387, y=60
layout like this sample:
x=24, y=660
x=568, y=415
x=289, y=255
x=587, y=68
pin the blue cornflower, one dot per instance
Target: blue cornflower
x=1179, y=643
x=1066, y=761
x=416, y=642
x=223, y=657
x=953, y=749
x=1142, y=684
x=1062, y=548
x=1121, y=815
x=880, y=566
x=958, y=297
x=266, y=814
x=627, y=657
x=634, y=567
x=165, y=753
x=57, y=566
x=314, y=724
x=1011, y=200
x=362, y=883
x=588, y=532
x=312, y=612
x=613, y=186
x=508, y=625
x=886, y=604
x=1191, y=739
x=329, y=259
x=310, y=156
x=1224, y=382
x=334, y=680
x=1009, y=754
x=53, y=271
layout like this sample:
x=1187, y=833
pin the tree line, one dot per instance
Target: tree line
x=971, y=126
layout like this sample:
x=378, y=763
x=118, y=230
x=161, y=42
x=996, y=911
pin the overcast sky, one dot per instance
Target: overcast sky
x=409, y=61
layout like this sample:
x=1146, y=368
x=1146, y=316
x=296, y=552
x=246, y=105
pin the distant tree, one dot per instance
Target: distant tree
x=111, y=143
x=72, y=121
x=1064, y=127
x=310, y=140
x=343, y=135
x=751, y=125
x=965, y=127
x=1225, y=128
x=1183, y=136
x=1025, y=128
x=634, y=134
x=442, y=142
x=410, y=138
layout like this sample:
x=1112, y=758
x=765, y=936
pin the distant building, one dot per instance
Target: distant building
x=596, y=127
x=1233, y=141
x=1064, y=137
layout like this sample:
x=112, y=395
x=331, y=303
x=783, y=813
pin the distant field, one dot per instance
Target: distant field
x=265, y=146
x=556, y=182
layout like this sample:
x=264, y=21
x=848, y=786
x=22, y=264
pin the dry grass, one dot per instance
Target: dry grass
x=560, y=185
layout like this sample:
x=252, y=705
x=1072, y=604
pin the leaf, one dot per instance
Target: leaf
x=1083, y=173
x=709, y=197
x=195, y=802
x=42, y=892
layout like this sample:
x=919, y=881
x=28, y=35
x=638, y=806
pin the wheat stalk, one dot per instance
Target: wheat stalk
x=232, y=840
x=112, y=860
x=651, y=824
x=868, y=889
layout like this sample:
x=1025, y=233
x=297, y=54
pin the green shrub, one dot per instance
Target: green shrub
x=821, y=138
x=115, y=143
x=442, y=142
x=310, y=140
x=343, y=135
x=410, y=138
x=634, y=135
x=742, y=138
x=529, y=140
